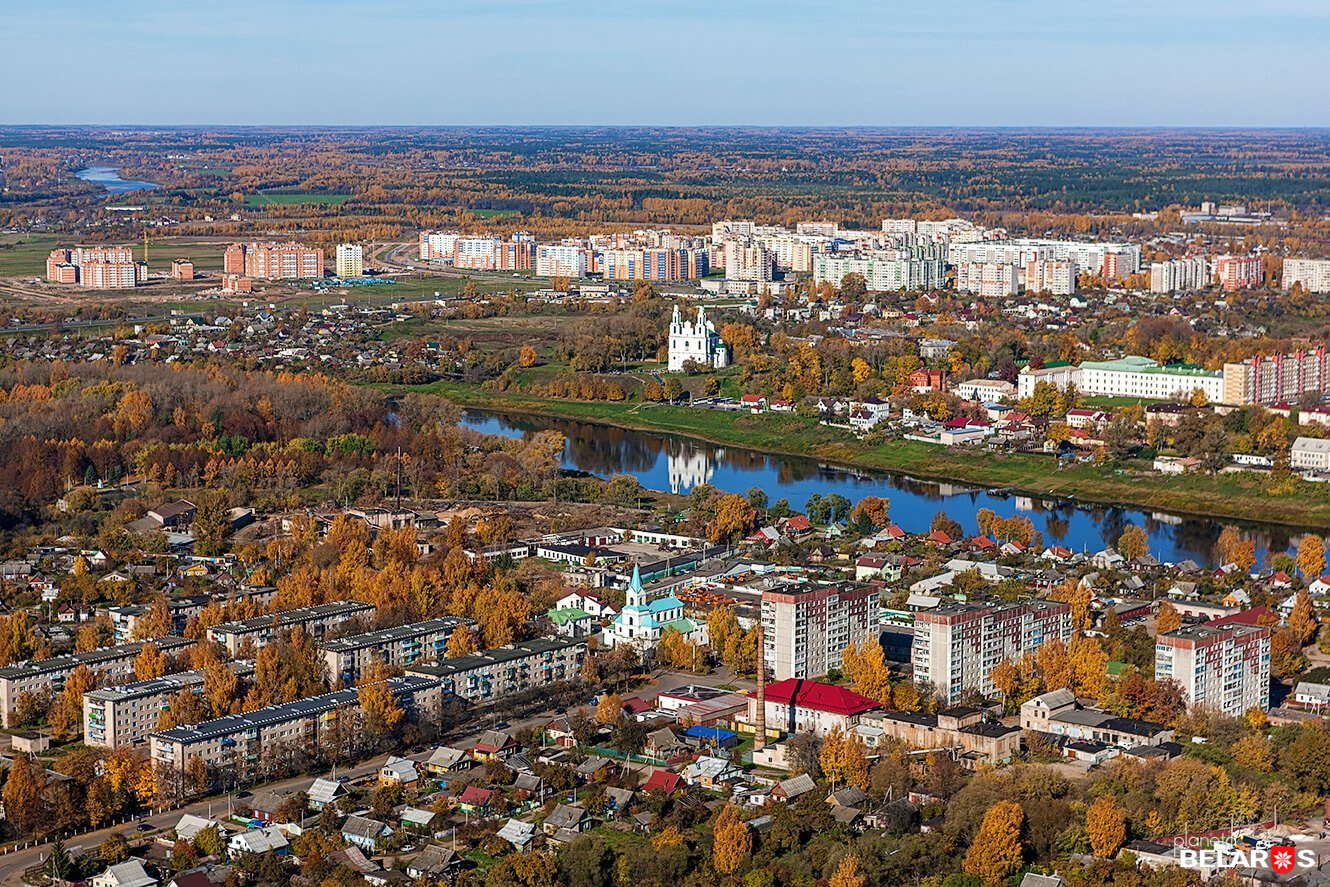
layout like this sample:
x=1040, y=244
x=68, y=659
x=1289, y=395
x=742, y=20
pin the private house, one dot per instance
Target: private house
x=663, y=781
x=366, y=833
x=476, y=801
x=568, y=817
x=446, y=760
x=399, y=771
x=494, y=745
x=517, y=833
x=326, y=792
x=129, y=873
x=260, y=840
x=434, y=863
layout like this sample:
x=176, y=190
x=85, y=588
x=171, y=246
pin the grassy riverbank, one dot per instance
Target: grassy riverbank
x=1239, y=496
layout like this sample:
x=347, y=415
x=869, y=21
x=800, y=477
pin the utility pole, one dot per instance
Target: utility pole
x=399, y=478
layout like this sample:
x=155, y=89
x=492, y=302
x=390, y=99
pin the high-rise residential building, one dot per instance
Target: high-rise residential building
x=48, y=675
x=989, y=280
x=1313, y=275
x=882, y=270
x=182, y=269
x=517, y=253
x=124, y=715
x=817, y=229
x=957, y=646
x=1090, y=255
x=1053, y=276
x=438, y=245
x=1224, y=666
x=274, y=261
x=1278, y=378
x=652, y=263
x=1237, y=272
x=1180, y=275
x=748, y=261
x=96, y=267
x=806, y=627
x=561, y=260
x=350, y=260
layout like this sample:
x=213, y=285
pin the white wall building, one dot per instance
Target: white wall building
x=561, y=260
x=1134, y=376
x=697, y=341
x=350, y=260
x=1225, y=667
x=1313, y=274
x=1061, y=376
x=1180, y=275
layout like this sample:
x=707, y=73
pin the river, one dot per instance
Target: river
x=677, y=464
x=109, y=178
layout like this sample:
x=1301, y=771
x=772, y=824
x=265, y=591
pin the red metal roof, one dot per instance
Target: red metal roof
x=1254, y=616
x=662, y=781
x=818, y=696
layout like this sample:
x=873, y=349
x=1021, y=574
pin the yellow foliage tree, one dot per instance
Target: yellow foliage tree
x=1106, y=826
x=732, y=841
x=996, y=852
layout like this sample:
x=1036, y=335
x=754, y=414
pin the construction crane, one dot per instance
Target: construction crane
x=145, y=246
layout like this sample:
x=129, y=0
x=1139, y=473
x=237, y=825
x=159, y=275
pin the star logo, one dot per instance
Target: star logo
x=1281, y=859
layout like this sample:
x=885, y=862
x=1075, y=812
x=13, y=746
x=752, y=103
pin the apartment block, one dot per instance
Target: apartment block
x=491, y=674
x=109, y=275
x=1313, y=275
x=660, y=264
x=748, y=261
x=182, y=269
x=274, y=261
x=885, y=270
x=48, y=675
x=1112, y=259
x=561, y=260
x=1180, y=275
x=956, y=646
x=989, y=280
x=122, y=716
x=1223, y=666
x=241, y=741
x=440, y=245
x=350, y=260
x=1134, y=376
x=1278, y=378
x=1237, y=272
x=60, y=261
x=806, y=628
x=402, y=646
x=316, y=620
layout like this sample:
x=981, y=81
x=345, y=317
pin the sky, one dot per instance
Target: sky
x=668, y=62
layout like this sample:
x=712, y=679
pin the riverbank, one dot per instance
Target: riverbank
x=1238, y=496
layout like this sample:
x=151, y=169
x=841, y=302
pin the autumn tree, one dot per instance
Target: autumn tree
x=1133, y=543
x=843, y=758
x=871, y=510
x=1167, y=619
x=1302, y=619
x=155, y=623
x=462, y=642
x=377, y=702
x=24, y=794
x=67, y=713
x=221, y=689
x=847, y=873
x=1105, y=826
x=609, y=710
x=996, y=852
x=1311, y=556
x=734, y=518
x=732, y=841
x=866, y=667
x=150, y=663
x=527, y=357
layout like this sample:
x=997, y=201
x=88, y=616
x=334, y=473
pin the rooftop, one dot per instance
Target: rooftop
x=815, y=695
x=389, y=635
x=90, y=658
x=292, y=617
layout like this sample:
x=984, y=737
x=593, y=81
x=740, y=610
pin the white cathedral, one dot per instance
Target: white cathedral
x=697, y=341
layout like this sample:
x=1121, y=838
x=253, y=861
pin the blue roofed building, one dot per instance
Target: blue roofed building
x=641, y=622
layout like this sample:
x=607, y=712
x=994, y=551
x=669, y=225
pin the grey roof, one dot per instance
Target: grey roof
x=457, y=664
x=393, y=635
x=170, y=683
x=797, y=785
x=364, y=827
x=293, y=617
x=565, y=816
x=277, y=714
x=446, y=756
x=92, y=658
x=1033, y=880
x=130, y=874
x=433, y=860
x=517, y=832
x=325, y=791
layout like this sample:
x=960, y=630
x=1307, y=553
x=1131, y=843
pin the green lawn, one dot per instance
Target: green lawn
x=24, y=255
x=1236, y=496
x=1112, y=402
x=295, y=199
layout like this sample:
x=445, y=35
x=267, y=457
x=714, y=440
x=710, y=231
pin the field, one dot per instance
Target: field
x=295, y=199
x=24, y=255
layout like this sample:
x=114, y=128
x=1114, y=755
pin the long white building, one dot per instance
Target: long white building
x=882, y=270
x=1111, y=259
x=1312, y=274
x=1134, y=376
x=1180, y=275
x=561, y=260
x=117, y=717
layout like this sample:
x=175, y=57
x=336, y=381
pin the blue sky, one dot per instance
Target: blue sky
x=856, y=62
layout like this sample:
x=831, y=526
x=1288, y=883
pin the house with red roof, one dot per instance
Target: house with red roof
x=797, y=525
x=795, y=705
x=663, y=781
x=1261, y=615
x=982, y=543
x=476, y=800
x=754, y=402
x=937, y=537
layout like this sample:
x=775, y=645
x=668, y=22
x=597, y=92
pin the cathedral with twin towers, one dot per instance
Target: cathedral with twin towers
x=696, y=341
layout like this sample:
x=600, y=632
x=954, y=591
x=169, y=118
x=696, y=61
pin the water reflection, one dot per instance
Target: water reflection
x=666, y=462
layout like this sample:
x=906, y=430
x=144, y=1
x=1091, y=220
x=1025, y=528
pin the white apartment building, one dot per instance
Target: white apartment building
x=561, y=260
x=314, y=620
x=241, y=741
x=438, y=245
x=122, y=716
x=402, y=645
x=480, y=253
x=1054, y=276
x=1134, y=376
x=1180, y=275
x=1312, y=274
x=1223, y=666
x=492, y=674
x=350, y=260
x=48, y=675
x=882, y=270
x=985, y=390
x=1121, y=258
x=807, y=627
x=1310, y=454
x=957, y=646
x=1061, y=376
